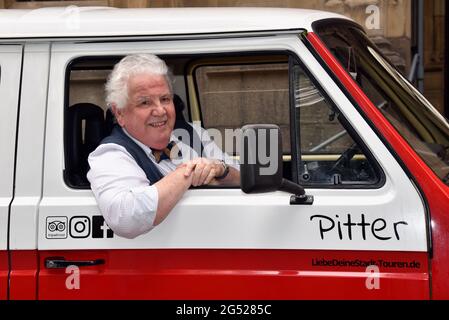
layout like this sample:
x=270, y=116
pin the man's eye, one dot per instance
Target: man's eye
x=165, y=100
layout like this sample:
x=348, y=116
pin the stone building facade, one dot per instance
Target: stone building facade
x=388, y=23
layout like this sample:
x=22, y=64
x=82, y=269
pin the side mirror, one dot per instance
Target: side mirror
x=260, y=158
x=261, y=163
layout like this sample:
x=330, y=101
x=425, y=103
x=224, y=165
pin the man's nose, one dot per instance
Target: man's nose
x=159, y=109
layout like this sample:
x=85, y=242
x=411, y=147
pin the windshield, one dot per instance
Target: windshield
x=424, y=128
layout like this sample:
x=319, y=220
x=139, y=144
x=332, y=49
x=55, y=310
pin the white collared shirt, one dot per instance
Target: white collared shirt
x=124, y=195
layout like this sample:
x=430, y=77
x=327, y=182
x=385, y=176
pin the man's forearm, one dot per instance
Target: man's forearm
x=170, y=190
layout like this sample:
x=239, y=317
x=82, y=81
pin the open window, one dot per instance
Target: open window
x=222, y=93
x=235, y=91
x=87, y=119
x=225, y=93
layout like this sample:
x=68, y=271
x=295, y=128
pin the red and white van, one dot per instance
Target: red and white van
x=368, y=148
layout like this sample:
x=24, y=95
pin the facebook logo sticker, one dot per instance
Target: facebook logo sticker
x=100, y=229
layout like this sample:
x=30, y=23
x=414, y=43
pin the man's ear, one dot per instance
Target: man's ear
x=118, y=113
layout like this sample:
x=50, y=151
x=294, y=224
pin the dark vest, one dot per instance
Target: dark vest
x=118, y=136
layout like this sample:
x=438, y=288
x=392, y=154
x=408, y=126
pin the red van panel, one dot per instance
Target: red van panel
x=236, y=274
x=24, y=275
x=3, y=274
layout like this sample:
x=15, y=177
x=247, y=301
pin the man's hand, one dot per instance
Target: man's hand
x=203, y=170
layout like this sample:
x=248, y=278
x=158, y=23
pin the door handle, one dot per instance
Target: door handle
x=62, y=263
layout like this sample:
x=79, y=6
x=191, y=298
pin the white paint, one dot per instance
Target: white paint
x=97, y=21
x=228, y=218
x=10, y=66
x=72, y=17
x=231, y=219
x=30, y=149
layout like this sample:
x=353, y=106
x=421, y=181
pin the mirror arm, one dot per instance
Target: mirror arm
x=291, y=187
x=299, y=196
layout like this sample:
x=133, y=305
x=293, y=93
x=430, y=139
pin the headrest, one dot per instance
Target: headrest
x=179, y=107
x=81, y=139
x=109, y=122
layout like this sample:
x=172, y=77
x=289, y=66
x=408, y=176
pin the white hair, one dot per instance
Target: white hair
x=117, y=84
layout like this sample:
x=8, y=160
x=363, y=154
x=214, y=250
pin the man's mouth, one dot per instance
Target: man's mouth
x=158, y=124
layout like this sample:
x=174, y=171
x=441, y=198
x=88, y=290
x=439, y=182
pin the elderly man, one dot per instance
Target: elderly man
x=134, y=191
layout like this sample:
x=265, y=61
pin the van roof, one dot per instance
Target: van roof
x=72, y=21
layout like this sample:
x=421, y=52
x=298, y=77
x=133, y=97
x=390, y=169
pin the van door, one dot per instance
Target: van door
x=354, y=230
x=222, y=243
x=10, y=76
x=29, y=171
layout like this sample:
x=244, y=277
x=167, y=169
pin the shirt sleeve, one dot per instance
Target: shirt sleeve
x=123, y=192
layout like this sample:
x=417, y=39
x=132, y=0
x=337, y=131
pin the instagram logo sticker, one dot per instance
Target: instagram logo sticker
x=79, y=227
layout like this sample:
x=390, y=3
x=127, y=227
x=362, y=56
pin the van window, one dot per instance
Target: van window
x=86, y=119
x=403, y=106
x=260, y=96
x=330, y=156
x=233, y=94
x=225, y=94
x=236, y=93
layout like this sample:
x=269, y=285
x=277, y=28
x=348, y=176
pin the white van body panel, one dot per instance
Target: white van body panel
x=102, y=21
x=30, y=146
x=10, y=76
x=230, y=219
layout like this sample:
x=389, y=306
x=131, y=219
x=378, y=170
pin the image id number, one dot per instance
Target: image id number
x=252, y=309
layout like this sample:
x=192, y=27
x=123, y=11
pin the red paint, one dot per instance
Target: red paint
x=25, y=269
x=435, y=191
x=4, y=268
x=232, y=274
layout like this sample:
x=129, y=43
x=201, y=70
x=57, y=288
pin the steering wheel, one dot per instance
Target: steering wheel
x=345, y=158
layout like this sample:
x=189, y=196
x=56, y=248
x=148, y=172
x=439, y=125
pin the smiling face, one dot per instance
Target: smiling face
x=149, y=115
